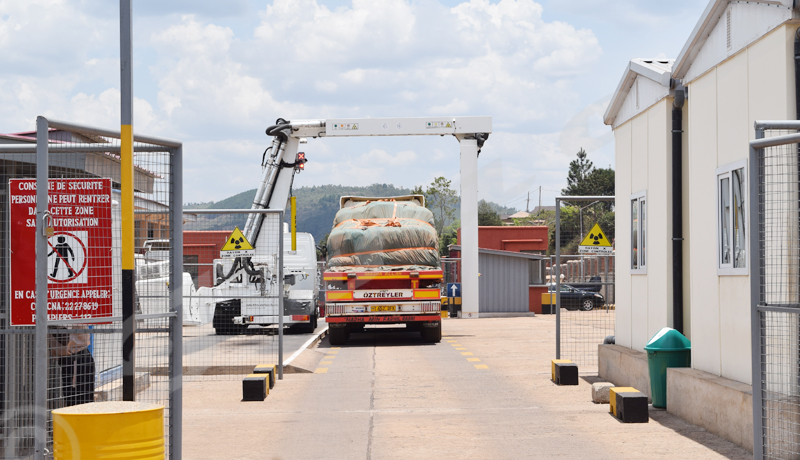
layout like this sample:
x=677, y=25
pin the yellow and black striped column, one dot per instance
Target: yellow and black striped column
x=126, y=185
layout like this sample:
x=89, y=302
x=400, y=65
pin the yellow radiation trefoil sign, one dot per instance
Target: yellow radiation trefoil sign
x=237, y=245
x=595, y=242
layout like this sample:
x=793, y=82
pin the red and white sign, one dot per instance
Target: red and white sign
x=79, y=282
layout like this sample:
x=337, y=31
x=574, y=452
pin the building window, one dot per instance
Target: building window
x=731, y=223
x=638, y=232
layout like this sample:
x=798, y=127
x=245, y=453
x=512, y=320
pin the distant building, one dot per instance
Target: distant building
x=511, y=261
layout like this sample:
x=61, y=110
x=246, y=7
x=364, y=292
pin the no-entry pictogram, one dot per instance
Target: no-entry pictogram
x=66, y=261
x=79, y=281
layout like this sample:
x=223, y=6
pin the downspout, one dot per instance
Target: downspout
x=797, y=72
x=677, y=204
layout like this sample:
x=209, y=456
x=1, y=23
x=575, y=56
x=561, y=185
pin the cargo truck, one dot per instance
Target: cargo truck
x=383, y=267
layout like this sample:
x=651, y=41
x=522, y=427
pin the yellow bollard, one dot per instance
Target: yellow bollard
x=112, y=429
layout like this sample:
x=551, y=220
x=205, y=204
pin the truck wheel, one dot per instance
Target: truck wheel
x=308, y=328
x=337, y=335
x=432, y=334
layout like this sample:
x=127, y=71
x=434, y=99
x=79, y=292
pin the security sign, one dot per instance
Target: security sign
x=237, y=245
x=79, y=282
x=595, y=242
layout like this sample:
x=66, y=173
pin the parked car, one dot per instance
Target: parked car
x=593, y=285
x=577, y=299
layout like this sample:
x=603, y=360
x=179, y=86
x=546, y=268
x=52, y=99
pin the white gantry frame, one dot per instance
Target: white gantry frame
x=471, y=132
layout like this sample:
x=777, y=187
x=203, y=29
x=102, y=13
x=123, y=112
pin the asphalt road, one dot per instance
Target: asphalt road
x=483, y=393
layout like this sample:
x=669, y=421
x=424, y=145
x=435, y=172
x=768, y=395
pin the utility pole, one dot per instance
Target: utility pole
x=540, y=198
x=528, y=203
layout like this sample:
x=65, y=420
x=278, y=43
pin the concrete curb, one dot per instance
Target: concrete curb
x=309, y=343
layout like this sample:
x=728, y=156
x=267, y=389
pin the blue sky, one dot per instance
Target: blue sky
x=215, y=74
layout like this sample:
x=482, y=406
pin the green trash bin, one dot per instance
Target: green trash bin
x=668, y=348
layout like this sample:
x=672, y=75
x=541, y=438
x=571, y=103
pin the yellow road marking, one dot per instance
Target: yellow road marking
x=473, y=360
x=456, y=344
x=461, y=349
x=321, y=370
x=333, y=351
x=326, y=363
x=329, y=357
x=336, y=348
x=451, y=341
x=481, y=366
x=466, y=353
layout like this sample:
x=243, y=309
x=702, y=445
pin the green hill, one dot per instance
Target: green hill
x=316, y=206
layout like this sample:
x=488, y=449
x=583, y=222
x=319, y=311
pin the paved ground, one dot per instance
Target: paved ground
x=483, y=393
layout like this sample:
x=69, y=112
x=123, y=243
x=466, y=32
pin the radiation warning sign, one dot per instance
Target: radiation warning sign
x=595, y=242
x=237, y=245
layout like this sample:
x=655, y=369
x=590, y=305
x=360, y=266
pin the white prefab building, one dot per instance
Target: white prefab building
x=736, y=67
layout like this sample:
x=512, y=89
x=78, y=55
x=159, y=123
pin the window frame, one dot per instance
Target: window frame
x=721, y=173
x=641, y=230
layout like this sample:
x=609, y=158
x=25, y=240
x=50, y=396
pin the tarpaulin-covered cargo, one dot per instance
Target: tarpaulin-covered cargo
x=383, y=233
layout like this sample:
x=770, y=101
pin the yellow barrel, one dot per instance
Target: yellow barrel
x=111, y=429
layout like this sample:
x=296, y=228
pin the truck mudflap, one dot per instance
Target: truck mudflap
x=383, y=319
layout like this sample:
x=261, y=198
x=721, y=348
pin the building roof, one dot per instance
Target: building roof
x=657, y=70
x=780, y=10
x=499, y=252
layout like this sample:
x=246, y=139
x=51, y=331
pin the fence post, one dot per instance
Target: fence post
x=176, y=301
x=756, y=204
x=280, y=296
x=40, y=339
x=558, y=278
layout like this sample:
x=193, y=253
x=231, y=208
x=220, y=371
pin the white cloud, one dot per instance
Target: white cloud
x=217, y=84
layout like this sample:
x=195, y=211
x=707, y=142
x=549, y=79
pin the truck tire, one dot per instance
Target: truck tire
x=310, y=326
x=337, y=335
x=432, y=334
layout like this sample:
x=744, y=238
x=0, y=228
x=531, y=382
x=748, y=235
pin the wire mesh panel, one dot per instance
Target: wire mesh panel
x=83, y=263
x=776, y=290
x=582, y=273
x=232, y=292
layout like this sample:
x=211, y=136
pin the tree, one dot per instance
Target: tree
x=578, y=171
x=487, y=215
x=448, y=236
x=442, y=200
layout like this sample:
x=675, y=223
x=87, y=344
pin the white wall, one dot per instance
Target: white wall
x=756, y=84
x=622, y=241
x=643, y=159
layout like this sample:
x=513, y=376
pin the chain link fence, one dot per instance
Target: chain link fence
x=78, y=344
x=775, y=289
x=581, y=274
x=231, y=302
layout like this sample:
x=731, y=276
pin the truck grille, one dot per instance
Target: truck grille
x=335, y=309
x=431, y=306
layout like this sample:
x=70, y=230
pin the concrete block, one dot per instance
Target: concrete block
x=600, y=392
x=255, y=387
x=270, y=369
x=566, y=373
x=719, y=405
x=632, y=407
x=612, y=397
x=624, y=367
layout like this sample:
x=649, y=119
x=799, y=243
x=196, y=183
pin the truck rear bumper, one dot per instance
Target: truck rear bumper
x=270, y=319
x=383, y=318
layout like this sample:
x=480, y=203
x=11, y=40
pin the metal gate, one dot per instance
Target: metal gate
x=583, y=283
x=74, y=353
x=775, y=289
